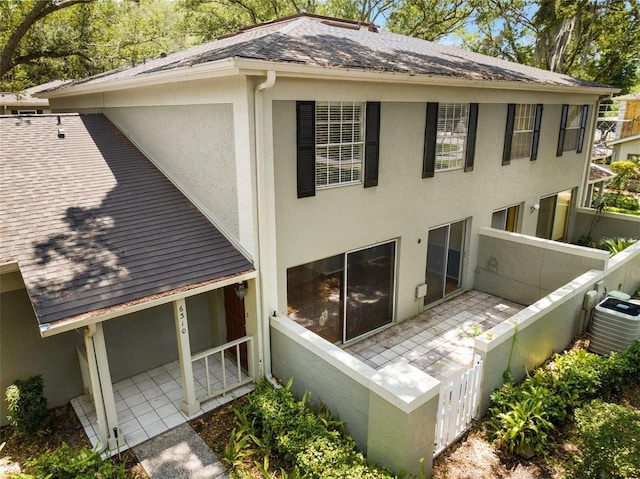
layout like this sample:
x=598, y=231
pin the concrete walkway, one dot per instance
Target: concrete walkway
x=179, y=453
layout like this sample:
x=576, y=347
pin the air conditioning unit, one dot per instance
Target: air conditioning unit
x=615, y=325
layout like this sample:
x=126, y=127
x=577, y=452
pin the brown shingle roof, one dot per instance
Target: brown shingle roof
x=321, y=41
x=93, y=224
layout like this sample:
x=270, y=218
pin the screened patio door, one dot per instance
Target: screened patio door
x=444, y=261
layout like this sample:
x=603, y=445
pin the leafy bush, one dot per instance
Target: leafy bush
x=616, y=245
x=523, y=426
x=621, y=201
x=311, y=440
x=66, y=463
x=27, y=405
x=551, y=393
x=609, y=438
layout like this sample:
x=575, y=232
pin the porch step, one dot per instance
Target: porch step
x=179, y=453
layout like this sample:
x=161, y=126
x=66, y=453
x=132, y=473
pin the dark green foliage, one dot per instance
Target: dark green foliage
x=66, y=463
x=311, y=440
x=609, y=438
x=27, y=405
x=527, y=413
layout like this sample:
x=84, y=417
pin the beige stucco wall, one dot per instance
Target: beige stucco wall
x=24, y=353
x=404, y=206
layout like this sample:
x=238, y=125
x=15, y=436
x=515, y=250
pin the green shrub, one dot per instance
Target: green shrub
x=609, y=438
x=27, y=405
x=66, y=463
x=616, y=245
x=525, y=414
x=522, y=426
x=311, y=440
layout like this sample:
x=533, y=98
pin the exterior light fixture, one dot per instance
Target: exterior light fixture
x=535, y=207
x=241, y=289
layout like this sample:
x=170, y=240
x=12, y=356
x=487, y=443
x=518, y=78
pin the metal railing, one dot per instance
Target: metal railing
x=241, y=376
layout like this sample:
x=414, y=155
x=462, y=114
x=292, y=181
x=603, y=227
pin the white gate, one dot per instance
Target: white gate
x=459, y=401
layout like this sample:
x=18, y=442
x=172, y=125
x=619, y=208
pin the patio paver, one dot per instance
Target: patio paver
x=438, y=341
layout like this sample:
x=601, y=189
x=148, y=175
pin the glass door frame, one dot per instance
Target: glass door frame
x=445, y=263
x=345, y=287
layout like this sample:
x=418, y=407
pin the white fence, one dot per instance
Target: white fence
x=459, y=401
x=220, y=369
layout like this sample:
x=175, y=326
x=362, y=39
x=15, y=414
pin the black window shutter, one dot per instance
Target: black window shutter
x=536, y=133
x=508, y=134
x=430, y=134
x=563, y=126
x=306, y=148
x=372, y=145
x=583, y=127
x=471, y=137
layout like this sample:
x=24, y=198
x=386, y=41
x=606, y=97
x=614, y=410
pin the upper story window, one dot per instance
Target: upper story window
x=339, y=143
x=453, y=123
x=522, y=133
x=450, y=136
x=573, y=124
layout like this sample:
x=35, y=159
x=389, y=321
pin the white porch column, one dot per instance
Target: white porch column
x=190, y=405
x=101, y=387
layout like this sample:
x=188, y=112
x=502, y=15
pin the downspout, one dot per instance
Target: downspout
x=265, y=344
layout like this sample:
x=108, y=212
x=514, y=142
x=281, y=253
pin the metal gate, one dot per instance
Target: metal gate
x=459, y=401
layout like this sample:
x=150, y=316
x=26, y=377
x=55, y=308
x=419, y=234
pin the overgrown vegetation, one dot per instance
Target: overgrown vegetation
x=67, y=463
x=524, y=415
x=308, y=441
x=609, y=439
x=28, y=405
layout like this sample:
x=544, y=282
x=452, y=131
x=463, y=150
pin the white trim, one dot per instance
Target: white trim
x=62, y=326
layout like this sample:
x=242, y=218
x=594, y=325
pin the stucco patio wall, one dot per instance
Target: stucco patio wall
x=524, y=268
x=391, y=413
x=549, y=325
x=609, y=224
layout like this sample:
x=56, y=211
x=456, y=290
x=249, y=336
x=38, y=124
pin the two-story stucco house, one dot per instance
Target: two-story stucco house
x=352, y=167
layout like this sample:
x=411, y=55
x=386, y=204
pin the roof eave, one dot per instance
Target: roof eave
x=68, y=324
x=300, y=70
x=217, y=69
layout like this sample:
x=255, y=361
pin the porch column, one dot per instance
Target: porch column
x=101, y=387
x=190, y=405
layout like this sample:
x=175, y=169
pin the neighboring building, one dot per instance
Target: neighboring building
x=628, y=115
x=353, y=168
x=626, y=148
x=26, y=102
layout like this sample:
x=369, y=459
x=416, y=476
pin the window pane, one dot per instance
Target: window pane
x=452, y=135
x=314, y=296
x=570, y=139
x=339, y=143
x=370, y=275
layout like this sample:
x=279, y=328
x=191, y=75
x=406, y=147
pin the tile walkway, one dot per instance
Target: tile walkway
x=148, y=404
x=439, y=341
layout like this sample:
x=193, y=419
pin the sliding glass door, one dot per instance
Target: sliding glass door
x=344, y=296
x=445, y=248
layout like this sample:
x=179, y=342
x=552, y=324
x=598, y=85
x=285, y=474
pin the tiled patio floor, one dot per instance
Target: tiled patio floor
x=148, y=404
x=438, y=341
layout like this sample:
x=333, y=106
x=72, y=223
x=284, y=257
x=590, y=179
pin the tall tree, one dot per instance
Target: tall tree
x=20, y=17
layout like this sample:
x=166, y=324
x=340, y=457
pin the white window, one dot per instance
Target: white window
x=523, y=125
x=339, y=143
x=572, y=130
x=453, y=121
